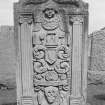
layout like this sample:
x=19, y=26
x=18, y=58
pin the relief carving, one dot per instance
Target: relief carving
x=52, y=96
x=49, y=71
x=51, y=58
x=24, y=17
x=76, y=19
x=28, y=2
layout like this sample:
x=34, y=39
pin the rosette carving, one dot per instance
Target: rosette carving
x=51, y=76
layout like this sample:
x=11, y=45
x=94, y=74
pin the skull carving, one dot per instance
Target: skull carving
x=51, y=94
x=49, y=13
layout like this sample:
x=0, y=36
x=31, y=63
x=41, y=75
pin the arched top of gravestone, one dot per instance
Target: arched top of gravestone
x=57, y=1
x=78, y=3
x=70, y=6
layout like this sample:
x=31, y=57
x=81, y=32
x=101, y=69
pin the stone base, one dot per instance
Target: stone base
x=27, y=100
x=78, y=101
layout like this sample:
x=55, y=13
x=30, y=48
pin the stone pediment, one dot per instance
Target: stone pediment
x=58, y=1
x=65, y=6
x=77, y=3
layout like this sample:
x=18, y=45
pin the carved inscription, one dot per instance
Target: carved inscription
x=51, y=59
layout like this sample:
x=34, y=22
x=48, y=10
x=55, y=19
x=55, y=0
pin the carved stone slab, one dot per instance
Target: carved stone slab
x=96, y=71
x=52, y=52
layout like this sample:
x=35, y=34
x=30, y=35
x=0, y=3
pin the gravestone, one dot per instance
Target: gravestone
x=97, y=51
x=96, y=71
x=51, y=43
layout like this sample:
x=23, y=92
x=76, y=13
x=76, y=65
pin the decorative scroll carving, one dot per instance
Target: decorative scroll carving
x=39, y=52
x=63, y=52
x=51, y=58
x=62, y=65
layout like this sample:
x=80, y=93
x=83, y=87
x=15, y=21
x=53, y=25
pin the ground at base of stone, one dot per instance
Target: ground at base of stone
x=10, y=104
x=8, y=97
x=96, y=94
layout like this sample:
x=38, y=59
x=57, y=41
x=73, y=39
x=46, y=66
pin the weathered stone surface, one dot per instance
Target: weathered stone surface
x=51, y=52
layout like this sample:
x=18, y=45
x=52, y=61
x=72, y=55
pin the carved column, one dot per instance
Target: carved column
x=77, y=54
x=26, y=67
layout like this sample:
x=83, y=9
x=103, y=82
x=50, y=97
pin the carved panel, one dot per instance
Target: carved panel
x=51, y=58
